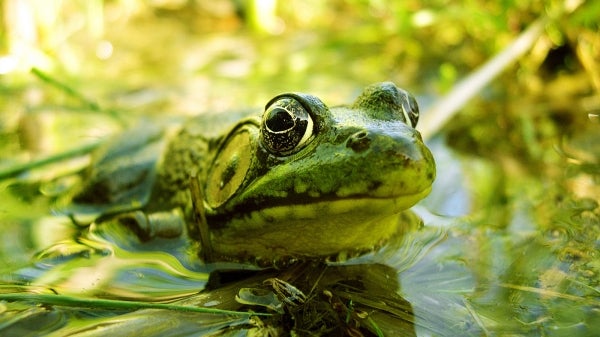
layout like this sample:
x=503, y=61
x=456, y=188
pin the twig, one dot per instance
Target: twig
x=444, y=109
x=200, y=227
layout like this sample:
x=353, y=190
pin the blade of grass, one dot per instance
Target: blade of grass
x=547, y=293
x=89, y=104
x=15, y=170
x=65, y=88
x=69, y=301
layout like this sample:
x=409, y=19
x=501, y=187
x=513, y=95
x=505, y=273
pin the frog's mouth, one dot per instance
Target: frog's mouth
x=360, y=207
x=283, y=212
x=316, y=228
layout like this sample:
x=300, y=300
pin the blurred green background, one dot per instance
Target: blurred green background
x=189, y=57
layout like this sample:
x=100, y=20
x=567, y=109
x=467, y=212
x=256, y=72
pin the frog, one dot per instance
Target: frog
x=300, y=181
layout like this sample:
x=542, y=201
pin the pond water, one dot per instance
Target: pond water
x=511, y=238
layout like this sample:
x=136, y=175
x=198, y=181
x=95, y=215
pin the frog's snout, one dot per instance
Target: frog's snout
x=397, y=161
x=395, y=141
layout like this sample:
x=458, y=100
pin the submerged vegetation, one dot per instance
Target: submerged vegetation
x=512, y=228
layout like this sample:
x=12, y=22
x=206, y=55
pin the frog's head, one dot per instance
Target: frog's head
x=308, y=180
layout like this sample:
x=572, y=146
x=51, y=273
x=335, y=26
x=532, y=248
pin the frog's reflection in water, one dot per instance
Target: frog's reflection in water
x=314, y=297
x=309, y=298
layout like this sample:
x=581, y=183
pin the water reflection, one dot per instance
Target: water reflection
x=112, y=262
x=109, y=260
x=339, y=300
x=311, y=297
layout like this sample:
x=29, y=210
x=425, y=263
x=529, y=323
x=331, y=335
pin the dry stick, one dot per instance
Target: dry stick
x=444, y=109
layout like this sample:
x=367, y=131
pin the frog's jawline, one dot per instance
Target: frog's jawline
x=320, y=207
x=313, y=230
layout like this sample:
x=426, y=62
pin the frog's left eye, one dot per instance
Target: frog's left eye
x=410, y=108
x=286, y=126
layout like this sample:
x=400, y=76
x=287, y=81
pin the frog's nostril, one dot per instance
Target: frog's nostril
x=359, y=141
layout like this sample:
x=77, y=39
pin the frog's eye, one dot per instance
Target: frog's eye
x=410, y=108
x=286, y=126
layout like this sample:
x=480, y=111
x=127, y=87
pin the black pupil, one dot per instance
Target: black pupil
x=279, y=120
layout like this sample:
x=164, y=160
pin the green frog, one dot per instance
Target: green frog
x=301, y=181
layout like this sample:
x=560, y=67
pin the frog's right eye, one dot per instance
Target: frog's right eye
x=286, y=126
x=410, y=108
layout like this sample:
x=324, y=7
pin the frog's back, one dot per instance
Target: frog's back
x=148, y=167
x=122, y=174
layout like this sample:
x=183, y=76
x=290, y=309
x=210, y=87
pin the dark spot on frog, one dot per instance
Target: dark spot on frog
x=229, y=171
x=359, y=141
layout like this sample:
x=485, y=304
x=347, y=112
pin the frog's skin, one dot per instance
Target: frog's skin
x=302, y=181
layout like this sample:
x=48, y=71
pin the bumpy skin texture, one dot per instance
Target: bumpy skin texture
x=341, y=188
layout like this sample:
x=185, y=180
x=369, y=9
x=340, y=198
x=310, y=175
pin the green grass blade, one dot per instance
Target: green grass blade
x=69, y=301
x=15, y=170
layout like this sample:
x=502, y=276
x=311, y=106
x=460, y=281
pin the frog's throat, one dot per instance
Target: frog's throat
x=315, y=229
